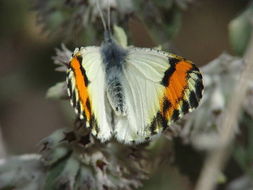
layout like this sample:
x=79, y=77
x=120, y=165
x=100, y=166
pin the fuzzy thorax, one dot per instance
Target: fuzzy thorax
x=113, y=59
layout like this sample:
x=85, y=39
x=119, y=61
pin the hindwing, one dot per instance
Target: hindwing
x=85, y=81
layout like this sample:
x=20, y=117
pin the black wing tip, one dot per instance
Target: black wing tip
x=185, y=107
x=193, y=100
x=175, y=115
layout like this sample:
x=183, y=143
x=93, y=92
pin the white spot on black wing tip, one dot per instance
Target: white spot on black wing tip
x=87, y=124
x=94, y=132
x=69, y=87
x=71, y=102
x=68, y=91
x=199, y=75
x=199, y=88
x=74, y=98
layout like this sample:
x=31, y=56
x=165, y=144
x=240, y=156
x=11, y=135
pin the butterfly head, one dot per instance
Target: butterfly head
x=109, y=41
x=110, y=45
x=107, y=37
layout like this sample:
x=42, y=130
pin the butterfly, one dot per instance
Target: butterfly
x=131, y=93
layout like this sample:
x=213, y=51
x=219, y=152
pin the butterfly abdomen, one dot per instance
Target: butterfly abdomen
x=113, y=59
x=116, y=96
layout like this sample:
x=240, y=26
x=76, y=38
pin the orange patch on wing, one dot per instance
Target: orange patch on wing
x=80, y=85
x=177, y=84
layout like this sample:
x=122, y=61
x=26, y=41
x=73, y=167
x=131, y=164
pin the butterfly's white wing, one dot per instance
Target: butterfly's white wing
x=86, y=87
x=159, y=88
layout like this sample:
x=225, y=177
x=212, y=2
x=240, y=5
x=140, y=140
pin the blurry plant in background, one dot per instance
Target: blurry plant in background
x=79, y=21
x=71, y=158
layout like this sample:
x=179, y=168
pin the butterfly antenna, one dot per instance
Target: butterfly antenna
x=109, y=16
x=101, y=15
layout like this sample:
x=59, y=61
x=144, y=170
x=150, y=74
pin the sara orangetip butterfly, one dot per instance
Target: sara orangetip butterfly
x=131, y=93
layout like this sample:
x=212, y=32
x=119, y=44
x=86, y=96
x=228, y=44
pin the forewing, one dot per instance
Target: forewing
x=160, y=88
x=85, y=80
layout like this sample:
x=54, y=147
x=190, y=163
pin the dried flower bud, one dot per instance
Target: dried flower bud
x=92, y=165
